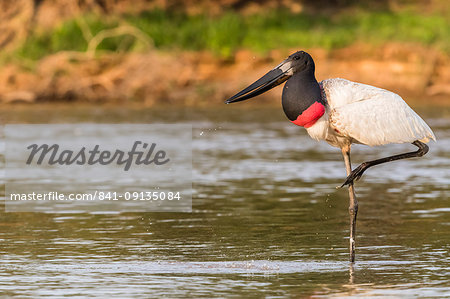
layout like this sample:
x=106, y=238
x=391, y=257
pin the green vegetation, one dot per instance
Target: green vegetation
x=231, y=31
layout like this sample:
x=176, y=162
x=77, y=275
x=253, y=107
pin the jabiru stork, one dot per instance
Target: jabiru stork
x=343, y=112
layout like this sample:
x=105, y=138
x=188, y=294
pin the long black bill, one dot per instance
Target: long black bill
x=268, y=81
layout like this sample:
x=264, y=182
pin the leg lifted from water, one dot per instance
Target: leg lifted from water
x=358, y=171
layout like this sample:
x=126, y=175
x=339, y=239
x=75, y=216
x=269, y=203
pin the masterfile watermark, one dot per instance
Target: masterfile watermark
x=98, y=167
x=52, y=155
x=97, y=195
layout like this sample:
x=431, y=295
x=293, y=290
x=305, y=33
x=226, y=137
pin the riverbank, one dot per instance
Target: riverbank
x=193, y=78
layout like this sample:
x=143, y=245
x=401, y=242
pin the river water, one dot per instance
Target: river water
x=266, y=219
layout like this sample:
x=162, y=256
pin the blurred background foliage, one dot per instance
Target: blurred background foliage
x=231, y=31
x=222, y=27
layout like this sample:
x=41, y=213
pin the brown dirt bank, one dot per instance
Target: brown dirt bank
x=419, y=75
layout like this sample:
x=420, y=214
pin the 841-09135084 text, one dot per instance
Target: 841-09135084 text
x=142, y=195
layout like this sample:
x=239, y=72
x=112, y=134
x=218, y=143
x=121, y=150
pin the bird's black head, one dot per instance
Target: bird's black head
x=298, y=63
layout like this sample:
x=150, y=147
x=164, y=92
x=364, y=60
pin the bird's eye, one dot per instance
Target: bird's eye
x=296, y=57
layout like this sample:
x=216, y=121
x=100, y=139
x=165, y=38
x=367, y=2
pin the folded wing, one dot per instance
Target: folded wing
x=375, y=116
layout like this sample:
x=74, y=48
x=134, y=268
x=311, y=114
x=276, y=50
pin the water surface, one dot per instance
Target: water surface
x=266, y=221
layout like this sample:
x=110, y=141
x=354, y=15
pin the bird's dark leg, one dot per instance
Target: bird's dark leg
x=353, y=207
x=358, y=171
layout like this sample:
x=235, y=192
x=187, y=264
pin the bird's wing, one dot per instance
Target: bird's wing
x=375, y=116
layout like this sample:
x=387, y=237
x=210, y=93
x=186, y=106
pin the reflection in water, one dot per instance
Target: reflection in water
x=267, y=220
x=351, y=273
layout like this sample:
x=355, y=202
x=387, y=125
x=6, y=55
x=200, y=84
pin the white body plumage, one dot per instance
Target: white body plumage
x=359, y=113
